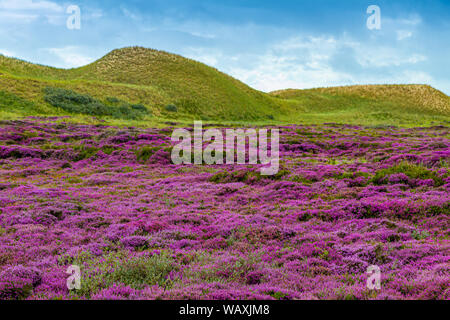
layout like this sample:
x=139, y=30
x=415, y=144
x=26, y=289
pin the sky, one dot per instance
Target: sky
x=269, y=45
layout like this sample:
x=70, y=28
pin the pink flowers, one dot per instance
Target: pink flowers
x=134, y=242
x=139, y=227
x=17, y=282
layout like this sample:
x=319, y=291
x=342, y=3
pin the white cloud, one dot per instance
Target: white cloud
x=305, y=62
x=273, y=73
x=202, y=35
x=70, y=57
x=20, y=5
x=16, y=17
x=295, y=63
x=323, y=43
x=412, y=20
x=403, y=34
x=27, y=11
x=383, y=56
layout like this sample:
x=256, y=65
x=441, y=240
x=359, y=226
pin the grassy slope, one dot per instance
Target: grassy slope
x=150, y=77
x=370, y=104
x=156, y=78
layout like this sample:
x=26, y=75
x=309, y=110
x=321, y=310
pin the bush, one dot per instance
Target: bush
x=84, y=152
x=73, y=102
x=410, y=170
x=70, y=101
x=112, y=100
x=143, y=154
x=171, y=108
x=139, y=107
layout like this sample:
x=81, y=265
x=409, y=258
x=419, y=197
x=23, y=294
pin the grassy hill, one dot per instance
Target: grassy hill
x=370, y=104
x=153, y=78
x=172, y=87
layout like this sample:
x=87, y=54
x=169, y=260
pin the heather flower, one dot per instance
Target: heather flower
x=117, y=292
x=18, y=282
x=346, y=197
x=134, y=242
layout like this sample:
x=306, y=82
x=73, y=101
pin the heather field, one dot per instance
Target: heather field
x=109, y=200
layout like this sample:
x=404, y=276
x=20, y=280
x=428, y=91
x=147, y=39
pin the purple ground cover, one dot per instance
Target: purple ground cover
x=109, y=200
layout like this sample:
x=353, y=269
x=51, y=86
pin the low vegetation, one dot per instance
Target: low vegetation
x=77, y=103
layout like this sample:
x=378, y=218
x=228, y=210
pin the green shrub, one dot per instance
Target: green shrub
x=139, y=107
x=144, y=153
x=108, y=149
x=84, y=152
x=171, y=108
x=413, y=171
x=420, y=235
x=73, y=102
x=112, y=100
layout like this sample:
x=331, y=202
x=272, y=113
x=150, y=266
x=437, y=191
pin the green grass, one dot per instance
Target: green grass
x=11, y=103
x=172, y=88
x=398, y=105
x=116, y=268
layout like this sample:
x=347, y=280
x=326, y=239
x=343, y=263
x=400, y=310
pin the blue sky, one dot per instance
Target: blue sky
x=269, y=45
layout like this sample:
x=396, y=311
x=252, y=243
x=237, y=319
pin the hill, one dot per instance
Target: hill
x=172, y=87
x=150, y=77
x=422, y=98
x=397, y=104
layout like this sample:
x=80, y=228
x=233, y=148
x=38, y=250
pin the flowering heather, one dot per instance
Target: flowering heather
x=109, y=200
